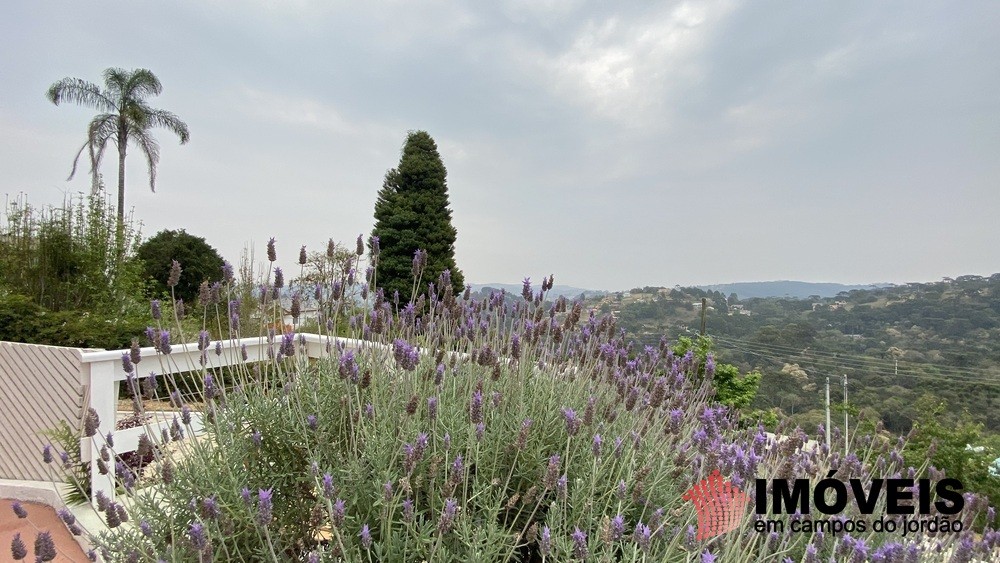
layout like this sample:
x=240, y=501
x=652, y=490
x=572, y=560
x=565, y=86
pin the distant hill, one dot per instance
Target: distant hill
x=557, y=290
x=785, y=288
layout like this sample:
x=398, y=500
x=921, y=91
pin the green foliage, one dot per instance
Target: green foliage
x=66, y=277
x=941, y=336
x=76, y=472
x=731, y=389
x=412, y=213
x=199, y=262
x=22, y=320
x=955, y=445
x=125, y=117
x=69, y=258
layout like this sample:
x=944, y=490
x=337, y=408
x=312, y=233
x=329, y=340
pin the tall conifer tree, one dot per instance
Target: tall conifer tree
x=412, y=213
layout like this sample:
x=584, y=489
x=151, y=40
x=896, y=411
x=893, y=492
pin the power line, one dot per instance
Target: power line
x=848, y=358
x=833, y=364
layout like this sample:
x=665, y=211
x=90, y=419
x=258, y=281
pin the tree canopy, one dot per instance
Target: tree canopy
x=199, y=262
x=412, y=213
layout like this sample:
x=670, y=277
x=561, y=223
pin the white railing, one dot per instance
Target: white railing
x=103, y=371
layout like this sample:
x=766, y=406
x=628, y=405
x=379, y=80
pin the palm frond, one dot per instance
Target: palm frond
x=169, y=121
x=115, y=80
x=101, y=128
x=141, y=84
x=151, y=149
x=80, y=92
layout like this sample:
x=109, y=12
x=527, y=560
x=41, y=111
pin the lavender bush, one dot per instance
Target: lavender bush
x=453, y=428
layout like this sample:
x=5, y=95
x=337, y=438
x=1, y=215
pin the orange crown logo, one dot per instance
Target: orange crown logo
x=720, y=505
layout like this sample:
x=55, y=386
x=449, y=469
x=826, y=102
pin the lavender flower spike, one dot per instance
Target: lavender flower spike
x=579, y=543
x=264, y=507
x=19, y=510
x=366, y=537
x=17, y=548
x=45, y=547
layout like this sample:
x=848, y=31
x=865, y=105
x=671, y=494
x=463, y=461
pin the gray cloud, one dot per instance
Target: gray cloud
x=613, y=145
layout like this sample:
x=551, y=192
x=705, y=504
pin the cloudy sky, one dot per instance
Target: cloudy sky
x=614, y=144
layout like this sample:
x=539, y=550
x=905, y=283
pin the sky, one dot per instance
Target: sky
x=612, y=144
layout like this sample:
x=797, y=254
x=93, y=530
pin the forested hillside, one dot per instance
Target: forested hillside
x=904, y=349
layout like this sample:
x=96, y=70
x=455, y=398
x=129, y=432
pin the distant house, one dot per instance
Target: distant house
x=738, y=310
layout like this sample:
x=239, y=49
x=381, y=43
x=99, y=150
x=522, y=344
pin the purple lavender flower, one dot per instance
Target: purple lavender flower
x=446, y=441
x=448, y=515
x=146, y=529
x=423, y=440
x=366, y=537
x=197, y=535
x=271, y=254
x=264, y=507
x=480, y=431
x=102, y=501
x=545, y=544
x=407, y=356
x=19, y=510
x=572, y=421
x=127, y=365
x=111, y=515
x=407, y=510
x=312, y=422
x=562, y=486
x=338, y=513
x=17, y=548
x=348, y=366
x=476, y=407
x=175, y=273
x=165, y=342
x=810, y=556
x=45, y=547
x=432, y=407
x=210, y=390
x=328, y=488
x=47, y=453
x=642, y=536
x=596, y=448
x=313, y=557
x=369, y=411
x=210, y=508
x=707, y=557
x=579, y=543
x=617, y=527
x=257, y=438
x=245, y=494
x=66, y=516
x=552, y=472
x=227, y=272
x=526, y=292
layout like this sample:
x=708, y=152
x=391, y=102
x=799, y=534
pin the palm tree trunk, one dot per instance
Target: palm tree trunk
x=120, y=231
x=121, y=182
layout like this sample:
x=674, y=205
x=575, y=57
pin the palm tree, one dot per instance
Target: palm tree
x=125, y=117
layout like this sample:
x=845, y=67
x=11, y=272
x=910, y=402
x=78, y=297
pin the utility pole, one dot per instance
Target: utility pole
x=828, y=413
x=845, y=415
x=704, y=306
